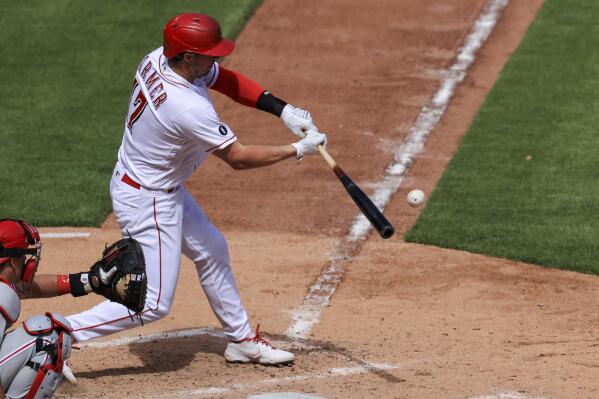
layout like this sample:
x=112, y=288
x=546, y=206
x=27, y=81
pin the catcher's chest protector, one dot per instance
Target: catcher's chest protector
x=38, y=352
x=10, y=304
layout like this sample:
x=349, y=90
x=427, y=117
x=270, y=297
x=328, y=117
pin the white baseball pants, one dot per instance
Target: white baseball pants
x=166, y=225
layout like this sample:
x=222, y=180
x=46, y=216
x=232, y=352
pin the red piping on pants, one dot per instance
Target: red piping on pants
x=159, y=286
x=27, y=345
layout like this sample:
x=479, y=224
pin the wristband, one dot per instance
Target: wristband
x=63, y=285
x=79, y=283
x=271, y=104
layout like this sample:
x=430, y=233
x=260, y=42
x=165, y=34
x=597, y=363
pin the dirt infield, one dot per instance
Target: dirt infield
x=407, y=321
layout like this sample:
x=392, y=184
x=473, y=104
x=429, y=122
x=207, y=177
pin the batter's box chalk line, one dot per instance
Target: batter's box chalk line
x=506, y=395
x=284, y=395
x=269, y=382
x=194, y=332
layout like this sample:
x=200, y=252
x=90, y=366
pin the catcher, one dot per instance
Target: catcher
x=33, y=356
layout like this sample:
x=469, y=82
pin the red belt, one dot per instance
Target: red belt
x=127, y=180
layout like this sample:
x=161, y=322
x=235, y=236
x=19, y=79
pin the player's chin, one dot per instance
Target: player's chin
x=205, y=71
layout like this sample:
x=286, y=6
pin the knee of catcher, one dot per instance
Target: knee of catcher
x=38, y=371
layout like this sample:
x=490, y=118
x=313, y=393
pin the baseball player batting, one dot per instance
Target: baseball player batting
x=33, y=357
x=170, y=129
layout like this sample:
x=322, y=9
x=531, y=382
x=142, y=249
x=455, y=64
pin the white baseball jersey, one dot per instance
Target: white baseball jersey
x=171, y=125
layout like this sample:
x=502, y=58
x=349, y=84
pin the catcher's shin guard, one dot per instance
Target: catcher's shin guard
x=41, y=372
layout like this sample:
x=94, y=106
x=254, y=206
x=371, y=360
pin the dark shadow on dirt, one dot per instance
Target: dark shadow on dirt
x=177, y=353
x=162, y=355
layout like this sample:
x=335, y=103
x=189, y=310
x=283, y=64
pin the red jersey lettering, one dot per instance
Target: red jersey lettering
x=157, y=102
x=138, y=107
x=152, y=79
x=155, y=90
x=146, y=69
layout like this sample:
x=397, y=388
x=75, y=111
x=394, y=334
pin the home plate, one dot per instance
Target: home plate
x=284, y=395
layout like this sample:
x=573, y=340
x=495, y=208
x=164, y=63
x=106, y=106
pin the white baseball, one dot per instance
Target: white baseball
x=415, y=197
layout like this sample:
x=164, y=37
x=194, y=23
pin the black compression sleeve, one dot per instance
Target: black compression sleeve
x=271, y=104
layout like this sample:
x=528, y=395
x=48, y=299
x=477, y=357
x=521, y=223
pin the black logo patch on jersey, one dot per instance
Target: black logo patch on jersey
x=223, y=130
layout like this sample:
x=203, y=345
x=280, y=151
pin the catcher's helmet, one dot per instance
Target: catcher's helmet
x=16, y=237
x=195, y=33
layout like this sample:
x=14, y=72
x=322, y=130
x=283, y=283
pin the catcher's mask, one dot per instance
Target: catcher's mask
x=19, y=238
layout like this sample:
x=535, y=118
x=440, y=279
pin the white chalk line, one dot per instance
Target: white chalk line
x=326, y=374
x=194, y=332
x=65, y=235
x=506, y=395
x=320, y=293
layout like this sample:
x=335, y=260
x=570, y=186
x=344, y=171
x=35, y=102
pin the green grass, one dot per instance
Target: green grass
x=491, y=200
x=67, y=68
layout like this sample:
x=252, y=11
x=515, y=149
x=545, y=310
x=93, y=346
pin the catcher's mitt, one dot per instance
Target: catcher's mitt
x=120, y=275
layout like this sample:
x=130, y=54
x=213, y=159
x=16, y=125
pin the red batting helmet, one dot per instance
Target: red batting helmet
x=195, y=33
x=16, y=237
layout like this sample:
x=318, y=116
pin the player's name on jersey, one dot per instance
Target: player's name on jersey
x=153, y=82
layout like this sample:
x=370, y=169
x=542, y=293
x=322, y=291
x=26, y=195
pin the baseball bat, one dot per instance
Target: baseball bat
x=372, y=213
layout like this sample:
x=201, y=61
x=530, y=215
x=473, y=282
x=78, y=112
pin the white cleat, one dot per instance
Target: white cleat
x=257, y=350
x=68, y=373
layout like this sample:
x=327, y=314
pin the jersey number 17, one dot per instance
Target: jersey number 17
x=137, y=106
